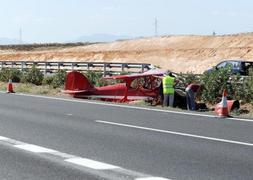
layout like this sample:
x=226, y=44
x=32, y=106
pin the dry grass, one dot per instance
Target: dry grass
x=246, y=110
x=32, y=89
x=46, y=46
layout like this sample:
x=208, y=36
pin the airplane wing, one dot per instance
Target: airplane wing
x=74, y=91
x=155, y=72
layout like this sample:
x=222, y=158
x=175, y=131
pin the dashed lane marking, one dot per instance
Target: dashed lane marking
x=3, y=138
x=91, y=164
x=151, y=178
x=98, y=167
x=34, y=148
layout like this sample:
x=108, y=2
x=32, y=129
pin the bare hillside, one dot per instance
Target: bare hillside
x=177, y=53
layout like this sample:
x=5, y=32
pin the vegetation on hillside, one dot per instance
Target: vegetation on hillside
x=37, y=46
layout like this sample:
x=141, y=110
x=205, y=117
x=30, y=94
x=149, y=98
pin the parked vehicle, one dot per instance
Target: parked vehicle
x=237, y=66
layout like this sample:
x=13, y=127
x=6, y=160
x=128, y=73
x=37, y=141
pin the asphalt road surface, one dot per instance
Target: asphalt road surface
x=50, y=138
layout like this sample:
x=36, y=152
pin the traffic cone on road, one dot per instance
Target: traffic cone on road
x=10, y=87
x=222, y=108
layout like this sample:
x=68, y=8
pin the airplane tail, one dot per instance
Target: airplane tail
x=76, y=82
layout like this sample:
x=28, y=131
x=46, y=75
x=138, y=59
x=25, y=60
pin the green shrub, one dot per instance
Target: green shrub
x=185, y=79
x=249, y=86
x=59, y=79
x=240, y=88
x=103, y=82
x=94, y=77
x=33, y=75
x=4, y=75
x=14, y=74
x=47, y=80
x=214, y=82
x=124, y=73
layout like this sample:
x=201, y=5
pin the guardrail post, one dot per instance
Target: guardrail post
x=2, y=65
x=45, y=70
x=59, y=66
x=72, y=66
x=105, y=69
x=142, y=67
x=22, y=66
x=122, y=67
x=35, y=64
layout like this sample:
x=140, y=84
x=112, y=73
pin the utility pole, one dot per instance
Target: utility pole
x=20, y=36
x=156, y=27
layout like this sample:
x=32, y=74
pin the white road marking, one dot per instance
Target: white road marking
x=133, y=107
x=3, y=138
x=72, y=159
x=91, y=164
x=63, y=155
x=152, y=178
x=34, y=148
x=176, y=133
x=240, y=119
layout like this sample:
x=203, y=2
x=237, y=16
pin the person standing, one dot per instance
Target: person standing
x=168, y=89
x=191, y=91
x=160, y=93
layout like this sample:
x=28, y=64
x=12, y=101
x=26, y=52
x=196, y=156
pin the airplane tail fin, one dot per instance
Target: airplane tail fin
x=76, y=82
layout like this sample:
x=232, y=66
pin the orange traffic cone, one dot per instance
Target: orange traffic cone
x=222, y=108
x=10, y=87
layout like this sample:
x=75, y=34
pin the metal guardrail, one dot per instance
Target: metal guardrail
x=51, y=67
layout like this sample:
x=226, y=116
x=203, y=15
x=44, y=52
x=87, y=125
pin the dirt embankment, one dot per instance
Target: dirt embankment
x=177, y=53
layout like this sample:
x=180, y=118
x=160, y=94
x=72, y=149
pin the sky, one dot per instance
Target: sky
x=66, y=20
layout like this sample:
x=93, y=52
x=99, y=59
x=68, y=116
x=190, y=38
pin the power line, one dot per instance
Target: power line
x=20, y=36
x=156, y=27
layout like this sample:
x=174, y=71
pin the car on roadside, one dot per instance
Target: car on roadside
x=240, y=67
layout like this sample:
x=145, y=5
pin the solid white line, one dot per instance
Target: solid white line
x=34, y=148
x=176, y=133
x=91, y=164
x=152, y=178
x=132, y=107
x=240, y=119
x=2, y=138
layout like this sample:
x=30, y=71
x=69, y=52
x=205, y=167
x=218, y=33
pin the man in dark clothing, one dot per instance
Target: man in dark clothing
x=160, y=93
x=191, y=91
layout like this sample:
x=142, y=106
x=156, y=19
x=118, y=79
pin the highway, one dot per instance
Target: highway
x=55, y=138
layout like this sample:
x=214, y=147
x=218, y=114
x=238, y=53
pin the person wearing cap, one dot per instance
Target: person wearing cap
x=168, y=89
x=191, y=91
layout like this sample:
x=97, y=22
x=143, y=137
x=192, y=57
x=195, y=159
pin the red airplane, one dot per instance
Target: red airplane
x=143, y=86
